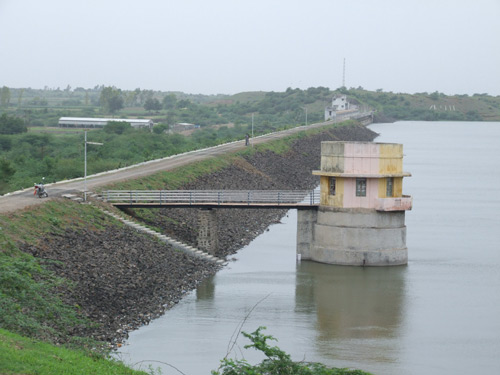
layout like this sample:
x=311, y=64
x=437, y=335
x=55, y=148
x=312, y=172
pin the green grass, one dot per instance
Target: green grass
x=51, y=217
x=173, y=179
x=20, y=355
x=282, y=145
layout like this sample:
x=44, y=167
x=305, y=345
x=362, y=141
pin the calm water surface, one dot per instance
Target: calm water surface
x=438, y=315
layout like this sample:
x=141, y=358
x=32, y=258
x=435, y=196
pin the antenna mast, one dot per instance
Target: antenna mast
x=343, y=75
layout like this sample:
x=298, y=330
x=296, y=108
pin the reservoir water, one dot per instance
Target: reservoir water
x=440, y=314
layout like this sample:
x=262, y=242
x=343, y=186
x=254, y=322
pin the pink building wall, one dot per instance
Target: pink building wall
x=352, y=201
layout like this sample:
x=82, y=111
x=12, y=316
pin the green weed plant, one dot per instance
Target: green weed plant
x=277, y=362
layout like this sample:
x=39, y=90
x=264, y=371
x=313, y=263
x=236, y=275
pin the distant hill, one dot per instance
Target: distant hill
x=271, y=109
x=429, y=107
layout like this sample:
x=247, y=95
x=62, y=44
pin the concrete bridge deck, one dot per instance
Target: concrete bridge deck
x=286, y=199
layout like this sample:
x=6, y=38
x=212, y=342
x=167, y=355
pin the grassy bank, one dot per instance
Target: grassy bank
x=21, y=355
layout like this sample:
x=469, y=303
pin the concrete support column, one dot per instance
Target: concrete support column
x=207, y=231
x=359, y=237
x=306, y=219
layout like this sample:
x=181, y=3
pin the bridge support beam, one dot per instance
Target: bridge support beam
x=207, y=231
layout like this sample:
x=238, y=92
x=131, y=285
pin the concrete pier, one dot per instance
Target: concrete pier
x=354, y=238
x=207, y=231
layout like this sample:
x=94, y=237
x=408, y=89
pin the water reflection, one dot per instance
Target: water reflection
x=205, y=291
x=352, y=303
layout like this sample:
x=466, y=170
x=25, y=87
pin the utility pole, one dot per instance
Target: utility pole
x=85, y=163
x=252, y=129
x=85, y=170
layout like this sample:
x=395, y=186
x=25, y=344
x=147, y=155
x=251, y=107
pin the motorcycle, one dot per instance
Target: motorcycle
x=40, y=190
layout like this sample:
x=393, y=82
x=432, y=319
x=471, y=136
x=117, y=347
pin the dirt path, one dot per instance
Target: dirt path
x=22, y=199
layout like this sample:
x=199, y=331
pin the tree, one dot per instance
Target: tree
x=5, y=97
x=145, y=95
x=152, y=104
x=169, y=101
x=12, y=125
x=20, y=97
x=131, y=97
x=111, y=99
x=6, y=172
x=117, y=127
x=434, y=95
x=115, y=103
x=160, y=128
x=5, y=143
x=183, y=103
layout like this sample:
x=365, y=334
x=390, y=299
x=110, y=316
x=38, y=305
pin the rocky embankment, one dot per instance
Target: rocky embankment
x=122, y=279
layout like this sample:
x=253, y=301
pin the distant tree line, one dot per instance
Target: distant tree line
x=270, y=110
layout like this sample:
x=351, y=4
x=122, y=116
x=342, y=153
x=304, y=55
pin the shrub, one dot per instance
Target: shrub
x=277, y=362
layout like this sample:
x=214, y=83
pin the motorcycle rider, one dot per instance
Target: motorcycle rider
x=40, y=189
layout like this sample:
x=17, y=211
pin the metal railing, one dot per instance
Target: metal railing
x=214, y=197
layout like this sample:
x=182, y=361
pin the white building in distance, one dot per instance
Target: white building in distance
x=340, y=105
x=89, y=122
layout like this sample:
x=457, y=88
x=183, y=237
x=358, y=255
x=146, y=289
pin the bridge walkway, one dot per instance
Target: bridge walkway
x=286, y=199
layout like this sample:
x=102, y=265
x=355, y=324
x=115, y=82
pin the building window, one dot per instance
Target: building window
x=390, y=187
x=332, y=185
x=361, y=187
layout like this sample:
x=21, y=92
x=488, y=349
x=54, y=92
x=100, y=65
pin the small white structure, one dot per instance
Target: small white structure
x=340, y=104
x=89, y=122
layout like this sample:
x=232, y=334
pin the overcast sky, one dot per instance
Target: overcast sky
x=230, y=46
